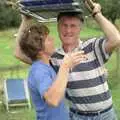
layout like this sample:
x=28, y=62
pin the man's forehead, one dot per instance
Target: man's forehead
x=69, y=18
x=69, y=15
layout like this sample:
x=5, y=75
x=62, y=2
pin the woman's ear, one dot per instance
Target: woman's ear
x=40, y=52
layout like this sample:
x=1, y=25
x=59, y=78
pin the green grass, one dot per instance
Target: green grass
x=116, y=99
x=7, y=41
x=114, y=82
x=24, y=114
x=7, y=59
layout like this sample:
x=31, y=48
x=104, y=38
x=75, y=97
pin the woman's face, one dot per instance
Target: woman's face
x=49, y=46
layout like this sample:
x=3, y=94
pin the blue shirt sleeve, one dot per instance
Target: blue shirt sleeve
x=43, y=79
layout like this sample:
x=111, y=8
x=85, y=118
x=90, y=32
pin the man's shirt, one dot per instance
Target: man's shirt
x=87, y=88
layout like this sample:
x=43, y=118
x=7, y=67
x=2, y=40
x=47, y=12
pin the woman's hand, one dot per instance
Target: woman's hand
x=72, y=59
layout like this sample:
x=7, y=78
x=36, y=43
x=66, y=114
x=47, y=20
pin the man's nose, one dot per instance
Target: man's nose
x=68, y=29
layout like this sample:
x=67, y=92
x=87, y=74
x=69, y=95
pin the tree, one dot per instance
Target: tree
x=8, y=17
x=12, y=3
x=111, y=9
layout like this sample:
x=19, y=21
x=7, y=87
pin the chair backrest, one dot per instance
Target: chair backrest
x=15, y=89
x=16, y=93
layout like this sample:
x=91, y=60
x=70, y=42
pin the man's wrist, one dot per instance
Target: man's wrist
x=95, y=14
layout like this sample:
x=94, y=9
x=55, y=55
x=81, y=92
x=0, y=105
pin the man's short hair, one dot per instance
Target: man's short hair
x=78, y=15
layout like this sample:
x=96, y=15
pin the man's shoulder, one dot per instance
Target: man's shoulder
x=89, y=40
x=92, y=40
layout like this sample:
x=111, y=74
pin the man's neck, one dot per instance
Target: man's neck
x=70, y=47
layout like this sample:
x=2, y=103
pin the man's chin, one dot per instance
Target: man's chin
x=69, y=42
x=69, y=38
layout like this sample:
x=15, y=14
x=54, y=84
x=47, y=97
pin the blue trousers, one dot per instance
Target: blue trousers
x=109, y=115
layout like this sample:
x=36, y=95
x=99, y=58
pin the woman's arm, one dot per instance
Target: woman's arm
x=56, y=92
x=26, y=22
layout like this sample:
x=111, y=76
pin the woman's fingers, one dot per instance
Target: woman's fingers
x=74, y=58
x=77, y=59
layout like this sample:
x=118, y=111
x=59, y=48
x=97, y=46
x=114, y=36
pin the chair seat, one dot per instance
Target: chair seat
x=46, y=2
x=49, y=9
x=53, y=7
x=50, y=5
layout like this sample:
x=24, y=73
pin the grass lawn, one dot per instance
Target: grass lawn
x=7, y=43
x=114, y=83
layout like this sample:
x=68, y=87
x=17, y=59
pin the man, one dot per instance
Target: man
x=87, y=90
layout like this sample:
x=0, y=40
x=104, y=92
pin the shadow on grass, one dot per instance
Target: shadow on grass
x=16, y=114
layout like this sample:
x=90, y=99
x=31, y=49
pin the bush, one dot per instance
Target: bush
x=8, y=17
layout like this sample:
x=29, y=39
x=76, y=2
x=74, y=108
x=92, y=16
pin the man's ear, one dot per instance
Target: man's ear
x=81, y=26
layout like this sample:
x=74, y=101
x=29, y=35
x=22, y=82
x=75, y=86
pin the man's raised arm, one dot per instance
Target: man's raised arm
x=110, y=31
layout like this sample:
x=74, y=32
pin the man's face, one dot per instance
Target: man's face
x=69, y=30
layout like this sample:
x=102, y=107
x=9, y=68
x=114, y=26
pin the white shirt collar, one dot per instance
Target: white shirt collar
x=62, y=52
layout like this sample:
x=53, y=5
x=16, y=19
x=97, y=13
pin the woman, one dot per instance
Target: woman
x=46, y=88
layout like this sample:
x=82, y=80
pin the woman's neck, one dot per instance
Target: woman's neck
x=44, y=58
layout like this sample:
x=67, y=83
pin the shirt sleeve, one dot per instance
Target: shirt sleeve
x=43, y=80
x=99, y=50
